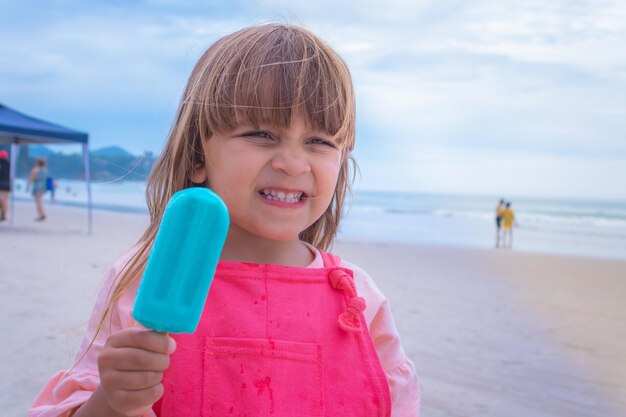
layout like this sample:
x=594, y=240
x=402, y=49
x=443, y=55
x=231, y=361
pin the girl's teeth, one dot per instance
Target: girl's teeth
x=282, y=196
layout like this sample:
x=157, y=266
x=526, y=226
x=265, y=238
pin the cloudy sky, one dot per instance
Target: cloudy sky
x=496, y=97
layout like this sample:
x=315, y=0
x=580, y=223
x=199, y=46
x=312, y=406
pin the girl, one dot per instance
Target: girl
x=37, y=178
x=266, y=121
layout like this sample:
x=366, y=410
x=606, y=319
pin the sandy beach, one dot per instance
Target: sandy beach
x=492, y=333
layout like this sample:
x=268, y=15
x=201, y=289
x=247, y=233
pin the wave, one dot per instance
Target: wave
x=574, y=218
x=542, y=218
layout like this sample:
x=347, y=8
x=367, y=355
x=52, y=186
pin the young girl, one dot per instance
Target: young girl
x=267, y=121
x=37, y=180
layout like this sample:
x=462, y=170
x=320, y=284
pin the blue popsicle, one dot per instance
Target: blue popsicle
x=181, y=264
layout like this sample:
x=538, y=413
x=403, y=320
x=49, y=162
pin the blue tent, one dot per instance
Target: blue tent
x=18, y=128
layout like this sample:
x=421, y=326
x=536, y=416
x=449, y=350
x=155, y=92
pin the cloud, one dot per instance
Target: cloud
x=496, y=86
x=116, y=76
x=541, y=79
x=495, y=173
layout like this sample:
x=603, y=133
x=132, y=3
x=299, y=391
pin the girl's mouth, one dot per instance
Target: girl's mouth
x=287, y=197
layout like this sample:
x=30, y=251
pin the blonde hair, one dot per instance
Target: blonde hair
x=259, y=75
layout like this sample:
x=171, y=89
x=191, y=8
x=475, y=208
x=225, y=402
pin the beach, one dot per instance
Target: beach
x=492, y=332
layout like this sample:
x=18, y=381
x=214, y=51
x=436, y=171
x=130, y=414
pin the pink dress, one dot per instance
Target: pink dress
x=272, y=341
x=278, y=341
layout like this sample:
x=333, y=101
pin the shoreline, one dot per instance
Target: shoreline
x=492, y=333
x=565, y=226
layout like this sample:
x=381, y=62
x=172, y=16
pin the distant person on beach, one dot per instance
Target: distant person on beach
x=37, y=180
x=508, y=221
x=5, y=184
x=499, y=210
x=267, y=122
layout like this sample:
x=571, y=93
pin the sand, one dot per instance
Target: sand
x=493, y=333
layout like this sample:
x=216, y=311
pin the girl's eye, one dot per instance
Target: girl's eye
x=320, y=141
x=258, y=134
x=259, y=137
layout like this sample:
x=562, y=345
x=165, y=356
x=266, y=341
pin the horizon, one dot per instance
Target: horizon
x=482, y=98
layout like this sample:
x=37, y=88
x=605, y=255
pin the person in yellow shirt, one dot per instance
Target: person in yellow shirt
x=508, y=221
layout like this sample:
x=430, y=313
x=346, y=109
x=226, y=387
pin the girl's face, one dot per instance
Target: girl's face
x=275, y=182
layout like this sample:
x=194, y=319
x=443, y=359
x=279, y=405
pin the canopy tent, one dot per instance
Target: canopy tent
x=18, y=128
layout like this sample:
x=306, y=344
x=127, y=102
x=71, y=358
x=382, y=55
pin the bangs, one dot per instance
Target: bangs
x=268, y=77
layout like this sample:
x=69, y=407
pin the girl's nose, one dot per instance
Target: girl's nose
x=291, y=161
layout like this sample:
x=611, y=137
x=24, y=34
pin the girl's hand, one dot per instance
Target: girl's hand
x=131, y=366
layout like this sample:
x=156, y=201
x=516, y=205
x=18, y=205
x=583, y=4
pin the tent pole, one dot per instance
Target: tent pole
x=15, y=151
x=88, y=181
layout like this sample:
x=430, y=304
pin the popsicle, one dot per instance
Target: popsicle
x=182, y=262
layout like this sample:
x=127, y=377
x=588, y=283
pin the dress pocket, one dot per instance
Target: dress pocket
x=257, y=377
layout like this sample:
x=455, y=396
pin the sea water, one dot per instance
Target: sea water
x=594, y=228
x=577, y=227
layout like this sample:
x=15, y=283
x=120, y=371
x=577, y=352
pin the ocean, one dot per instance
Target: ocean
x=593, y=228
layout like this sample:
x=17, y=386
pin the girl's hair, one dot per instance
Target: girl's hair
x=259, y=75
x=40, y=162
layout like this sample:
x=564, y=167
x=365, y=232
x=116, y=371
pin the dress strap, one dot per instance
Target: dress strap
x=343, y=281
x=349, y=320
x=330, y=260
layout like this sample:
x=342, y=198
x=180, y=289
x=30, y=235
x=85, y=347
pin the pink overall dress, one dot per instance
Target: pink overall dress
x=277, y=341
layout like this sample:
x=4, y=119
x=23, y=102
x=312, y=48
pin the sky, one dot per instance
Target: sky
x=495, y=97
